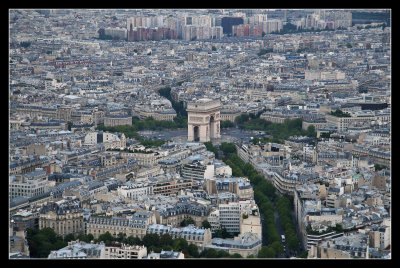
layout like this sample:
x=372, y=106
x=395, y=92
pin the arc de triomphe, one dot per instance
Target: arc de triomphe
x=203, y=120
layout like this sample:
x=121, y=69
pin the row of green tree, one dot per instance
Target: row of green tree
x=340, y=113
x=178, y=106
x=326, y=135
x=211, y=148
x=246, y=117
x=42, y=242
x=150, y=123
x=283, y=207
x=264, y=192
x=290, y=127
x=25, y=44
x=131, y=132
x=380, y=167
x=226, y=124
x=156, y=243
x=225, y=147
x=264, y=51
x=265, y=197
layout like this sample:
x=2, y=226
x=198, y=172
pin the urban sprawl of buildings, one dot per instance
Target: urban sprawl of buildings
x=76, y=74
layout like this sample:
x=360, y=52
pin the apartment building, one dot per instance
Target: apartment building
x=175, y=215
x=324, y=75
x=229, y=216
x=250, y=222
x=317, y=123
x=64, y=217
x=148, y=172
x=170, y=165
x=172, y=187
x=285, y=182
x=117, y=120
x=229, y=115
x=143, y=158
x=271, y=25
x=193, y=235
x=377, y=155
x=163, y=115
x=278, y=117
x=124, y=252
x=164, y=254
x=247, y=30
x=78, y=250
x=302, y=194
x=109, y=140
x=24, y=219
x=380, y=237
x=120, y=33
x=133, y=226
x=197, y=171
x=135, y=191
x=108, y=160
x=213, y=219
x=239, y=186
x=345, y=247
x=245, y=244
x=30, y=184
x=159, y=229
x=342, y=123
x=222, y=170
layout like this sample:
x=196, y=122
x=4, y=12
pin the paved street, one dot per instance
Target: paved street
x=227, y=135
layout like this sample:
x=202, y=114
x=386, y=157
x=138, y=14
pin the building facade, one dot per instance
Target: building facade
x=123, y=252
x=204, y=120
x=135, y=226
x=30, y=184
x=64, y=217
x=117, y=120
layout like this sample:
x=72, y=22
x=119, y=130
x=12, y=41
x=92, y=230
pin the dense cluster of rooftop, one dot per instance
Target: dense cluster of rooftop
x=84, y=85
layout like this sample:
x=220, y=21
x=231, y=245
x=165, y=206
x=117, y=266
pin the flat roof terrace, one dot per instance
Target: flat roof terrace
x=203, y=105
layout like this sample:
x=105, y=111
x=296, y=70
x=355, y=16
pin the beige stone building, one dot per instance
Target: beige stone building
x=172, y=187
x=355, y=246
x=244, y=244
x=143, y=158
x=197, y=236
x=250, y=222
x=164, y=115
x=277, y=117
x=117, y=120
x=229, y=115
x=123, y=252
x=315, y=123
x=204, y=120
x=182, y=211
x=135, y=226
x=342, y=123
x=28, y=185
x=327, y=253
x=63, y=217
